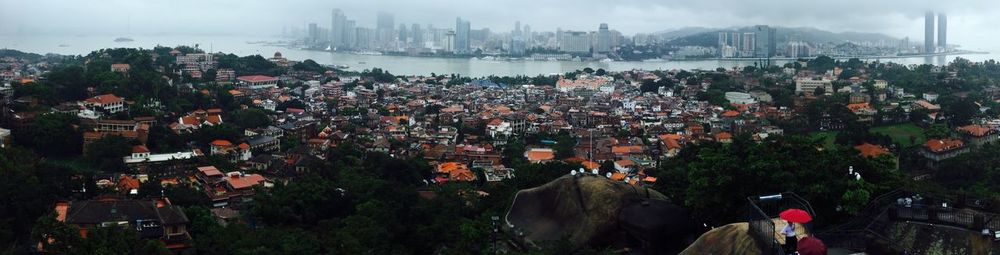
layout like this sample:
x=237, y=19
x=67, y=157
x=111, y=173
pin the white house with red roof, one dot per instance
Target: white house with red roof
x=256, y=82
x=107, y=103
x=196, y=119
x=235, y=153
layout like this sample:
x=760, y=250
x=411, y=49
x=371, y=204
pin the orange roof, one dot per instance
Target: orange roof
x=858, y=106
x=871, y=150
x=104, y=99
x=540, y=154
x=449, y=167
x=140, y=149
x=723, y=136
x=214, y=119
x=625, y=163
x=189, y=120
x=245, y=181
x=975, y=130
x=209, y=170
x=626, y=149
x=649, y=179
x=256, y=78
x=128, y=183
x=590, y=165
x=495, y=122
x=244, y=146
x=937, y=145
x=222, y=143
x=617, y=176
x=730, y=113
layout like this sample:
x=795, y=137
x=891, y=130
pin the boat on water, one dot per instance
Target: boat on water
x=63, y=45
x=123, y=39
x=362, y=62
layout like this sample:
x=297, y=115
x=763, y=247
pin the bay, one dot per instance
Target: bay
x=83, y=44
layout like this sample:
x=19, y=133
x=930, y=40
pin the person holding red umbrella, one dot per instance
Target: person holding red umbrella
x=792, y=216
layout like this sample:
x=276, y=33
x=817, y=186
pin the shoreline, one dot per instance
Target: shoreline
x=516, y=59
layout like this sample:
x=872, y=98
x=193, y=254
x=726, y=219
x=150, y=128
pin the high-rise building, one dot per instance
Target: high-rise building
x=929, y=32
x=313, y=33
x=575, y=42
x=385, y=25
x=417, y=35
x=526, y=33
x=365, y=38
x=517, y=29
x=748, y=44
x=350, y=34
x=765, y=41
x=603, y=39
x=449, y=41
x=942, y=33
x=338, y=28
x=404, y=34
x=462, y=28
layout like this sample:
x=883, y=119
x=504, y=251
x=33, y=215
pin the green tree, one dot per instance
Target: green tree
x=250, y=118
x=51, y=134
x=106, y=153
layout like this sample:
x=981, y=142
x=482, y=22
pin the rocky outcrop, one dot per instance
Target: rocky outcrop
x=587, y=210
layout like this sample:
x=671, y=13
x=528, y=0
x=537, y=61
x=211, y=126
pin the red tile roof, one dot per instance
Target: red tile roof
x=245, y=181
x=937, y=145
x=209, y=171
x=222, y=143
x=871, y=150
x=256, y=78
x=975, y=130
x=730, y=114
x=140, y=149
x=104, y=99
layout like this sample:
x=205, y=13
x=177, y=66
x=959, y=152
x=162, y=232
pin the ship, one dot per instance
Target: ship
x=123, y=39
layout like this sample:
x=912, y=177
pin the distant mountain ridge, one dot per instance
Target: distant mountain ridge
x=708, y=37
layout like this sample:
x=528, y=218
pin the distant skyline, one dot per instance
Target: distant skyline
x=970, y=24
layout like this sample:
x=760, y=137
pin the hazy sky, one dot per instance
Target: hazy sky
x=971, y=23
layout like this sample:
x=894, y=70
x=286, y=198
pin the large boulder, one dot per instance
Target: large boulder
x=593, y=210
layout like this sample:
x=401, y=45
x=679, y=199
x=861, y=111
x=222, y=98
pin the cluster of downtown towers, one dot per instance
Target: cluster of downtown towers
x=344, y=34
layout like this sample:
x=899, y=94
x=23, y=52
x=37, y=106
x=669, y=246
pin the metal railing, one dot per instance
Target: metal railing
x=762, y=212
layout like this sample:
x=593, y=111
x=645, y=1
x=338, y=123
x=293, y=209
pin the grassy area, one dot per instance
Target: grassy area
x=828, y=137
x=901, y=133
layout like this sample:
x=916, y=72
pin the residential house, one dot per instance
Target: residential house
x=937, y=150
x=155, y=219
x=979, y=135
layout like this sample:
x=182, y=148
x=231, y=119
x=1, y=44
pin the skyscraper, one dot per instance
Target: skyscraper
x=461, y=36
x=313, y=32
x=929, y=32
x=526, y=33
x=603, y=39
x=338, y=31
x=350, y=34
x=942, y=31
x=404, y=34
x=384, y=30
x=417, y=35
x=517, y=28
x=575, y=42
x=765, y=41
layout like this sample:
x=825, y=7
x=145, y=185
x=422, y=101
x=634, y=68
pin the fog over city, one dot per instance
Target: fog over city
x=972, y=22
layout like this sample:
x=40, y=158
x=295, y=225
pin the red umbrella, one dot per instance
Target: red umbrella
x=796, y=216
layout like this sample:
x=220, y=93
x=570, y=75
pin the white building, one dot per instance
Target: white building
x=575, y=42
x=108, y=103
x=740, y=98
x=809, y=85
